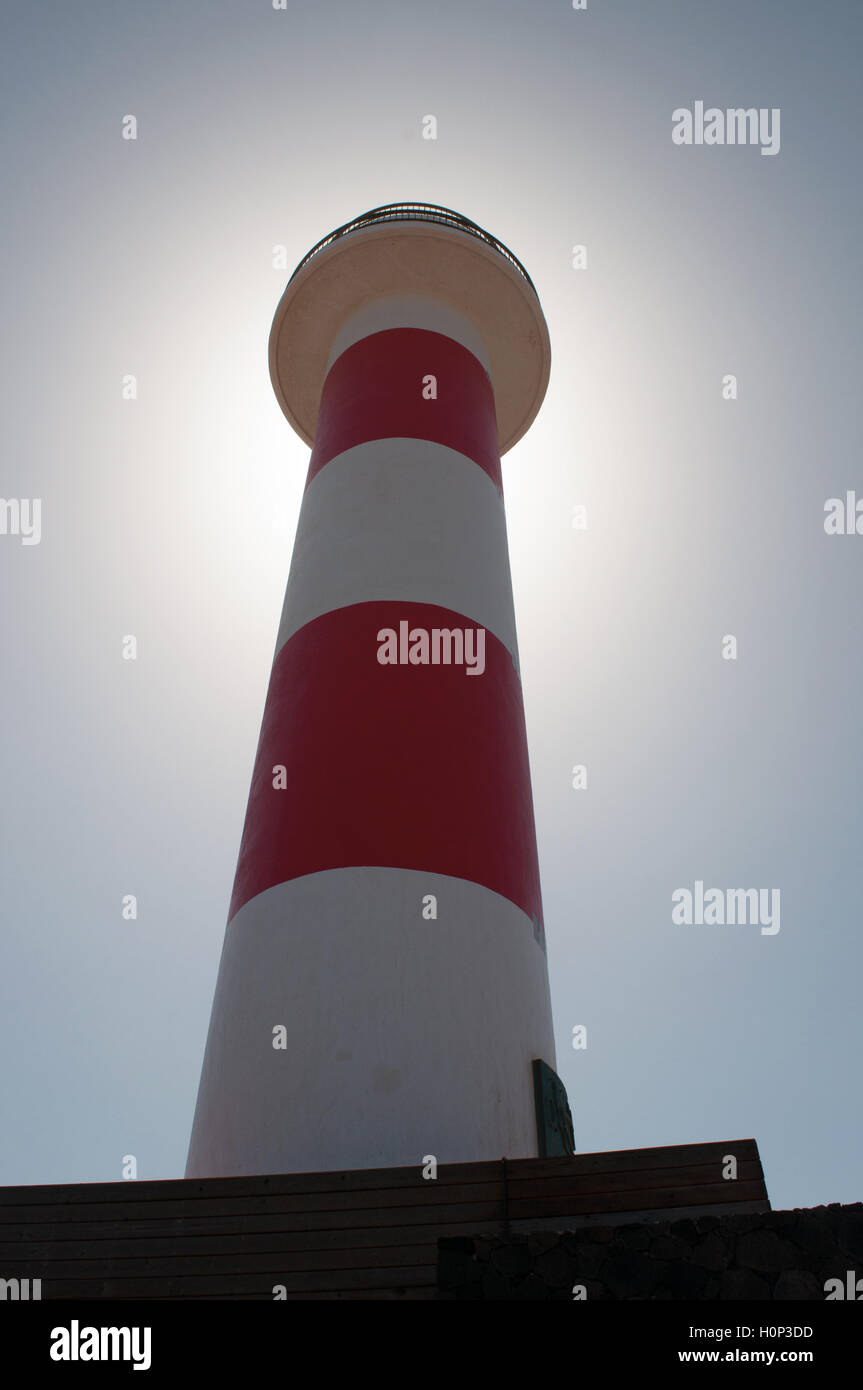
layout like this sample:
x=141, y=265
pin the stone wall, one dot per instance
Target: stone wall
x=774, y=1255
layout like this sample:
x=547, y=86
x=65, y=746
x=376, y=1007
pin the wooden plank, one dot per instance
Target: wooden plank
x=120, y=1246
x=366, y=1234
x=624, y=1201
x=223, y=1231
x=630, y=1160
x=234, y=1233
x=412, y=1294
x=421, y=1194
x=275, y=1262
x=255, y=1185
x=409, y=1293
x=419, y=1206
x=424, y=1212
x=258, y=1285
x=641, y=1180
x=371, y=1179
x=418, y=1215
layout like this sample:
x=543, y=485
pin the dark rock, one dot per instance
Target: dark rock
x=632, y=1238
x=589, y=1261
x=562, y=1295
x=749, y=1221
x=530, y=1288
x=455, y=1268
x=597, y=1292
x=765, y=1250
x=540, y=1241
x=671, y=1248
x=811, y=1233
x=573, y=1240
x=494, y=1285
x=784, y=1255
x=836, y=1267
x=555, y=1267
x=850, y=1231
x=797, y=1284
x=469, y=1291
x=703, y=1224
x=742, y=1284
x=712, y=1252
x=685, y=1230
x=631, y=1275
x=684, y=1280
x=511, y=1258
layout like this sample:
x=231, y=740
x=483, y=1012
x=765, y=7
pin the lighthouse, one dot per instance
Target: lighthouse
x=383, y=993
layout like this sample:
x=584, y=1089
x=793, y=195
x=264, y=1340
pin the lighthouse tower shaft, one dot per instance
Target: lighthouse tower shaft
x=383, y=990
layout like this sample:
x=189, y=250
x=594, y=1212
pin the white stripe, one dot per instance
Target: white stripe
x=409, y=311
x=405, y=1037
x=402, y=519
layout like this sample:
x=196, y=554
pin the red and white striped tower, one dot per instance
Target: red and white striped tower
x=386, y=910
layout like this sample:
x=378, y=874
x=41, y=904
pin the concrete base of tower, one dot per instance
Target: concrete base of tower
x=351, y=1031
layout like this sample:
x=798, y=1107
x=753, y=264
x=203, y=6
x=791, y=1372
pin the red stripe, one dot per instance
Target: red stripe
x=374, y=391
x=414, y=767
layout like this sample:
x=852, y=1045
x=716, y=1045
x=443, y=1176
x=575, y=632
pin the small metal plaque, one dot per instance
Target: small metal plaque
x=553, y=1115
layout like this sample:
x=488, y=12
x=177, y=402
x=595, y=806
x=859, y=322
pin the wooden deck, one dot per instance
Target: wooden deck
x=361, y=1234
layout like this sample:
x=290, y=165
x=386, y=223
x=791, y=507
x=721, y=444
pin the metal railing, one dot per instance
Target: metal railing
x=416, y=212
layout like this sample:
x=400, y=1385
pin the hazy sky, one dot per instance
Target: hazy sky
x=171, y=517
